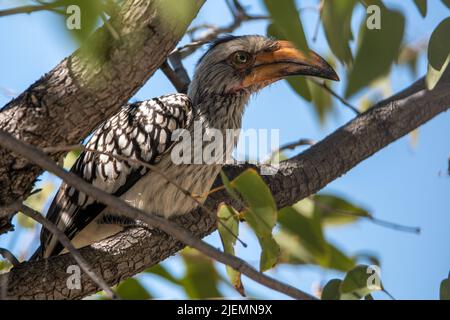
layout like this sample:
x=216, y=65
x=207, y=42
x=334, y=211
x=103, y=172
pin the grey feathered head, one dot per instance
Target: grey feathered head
x=249, y=63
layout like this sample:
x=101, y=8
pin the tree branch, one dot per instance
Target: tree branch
x=122, y=207
x=67, y=103
x=239, y=16
x=174, y=77
x=134, y=250
x=31, y=8
x=8, y=256
x=85, y=266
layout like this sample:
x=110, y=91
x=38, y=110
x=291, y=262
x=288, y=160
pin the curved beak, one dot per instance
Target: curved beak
x=285, y=61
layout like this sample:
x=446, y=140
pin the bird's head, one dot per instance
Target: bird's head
x=246, y=64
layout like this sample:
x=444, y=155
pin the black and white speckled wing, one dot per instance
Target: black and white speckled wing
x=139, y=131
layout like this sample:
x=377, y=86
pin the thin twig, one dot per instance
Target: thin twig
x=292, y=146
x=369, y=216
x=148, y=166
x=68, y=245
x=448, y=164
x=39, y=158
x=191, y=47
x=388, y=294
x=196, y=28
x=31, y=8
x=9, y=256
x=319, y=19
x=334, y=94
x=295, y=144
x=110, y=28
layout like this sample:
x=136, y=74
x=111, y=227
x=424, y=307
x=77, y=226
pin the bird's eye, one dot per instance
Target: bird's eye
x=241, y=57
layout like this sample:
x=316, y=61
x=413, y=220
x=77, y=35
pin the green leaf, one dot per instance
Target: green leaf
x=322, y=100
x=300, y=86
x=433, y=75
x=331, y=291
x=227, y=185
x=270, y=251
x=335, y=210
x=37, y=202
x=230, y=222
x=261, y=214
x=70, y=159
x=25, y=221
x=175, y=14
x=447, y=3
x=297, y=83
x=439, y=45
x=438, y=53
x=444, y=292
x=5, y=265
x=294, y=252
x=377, y=50
x=359, y=282
x=339, y=260
x=336, y=18
x=285, y=16
x=257, y=196
x=201, y=279
x=308, y=230
x=131, y=289
x=421, y=6
x=38, y=199
x=287, y=25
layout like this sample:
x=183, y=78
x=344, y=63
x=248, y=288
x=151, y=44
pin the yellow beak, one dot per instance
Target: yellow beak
x=285, y=61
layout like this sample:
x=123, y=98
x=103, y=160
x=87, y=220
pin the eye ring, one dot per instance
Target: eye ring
x=241, y=58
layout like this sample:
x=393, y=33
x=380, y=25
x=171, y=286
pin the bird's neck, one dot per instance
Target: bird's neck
x=221, y=111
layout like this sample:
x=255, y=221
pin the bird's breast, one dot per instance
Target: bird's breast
x=157, y=195
x=163, y=196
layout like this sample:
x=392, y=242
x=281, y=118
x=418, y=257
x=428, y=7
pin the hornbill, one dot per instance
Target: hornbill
x=232, y=69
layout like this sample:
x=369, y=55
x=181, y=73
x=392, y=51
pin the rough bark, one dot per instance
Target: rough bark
x=134, y=250
x=68, y=102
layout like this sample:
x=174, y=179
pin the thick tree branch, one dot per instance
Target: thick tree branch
x=65, y=241
x=67, y=103
x=134, y=250
x=122, y=207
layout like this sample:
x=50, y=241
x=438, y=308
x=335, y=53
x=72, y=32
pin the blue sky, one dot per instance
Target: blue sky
x=401, y=183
